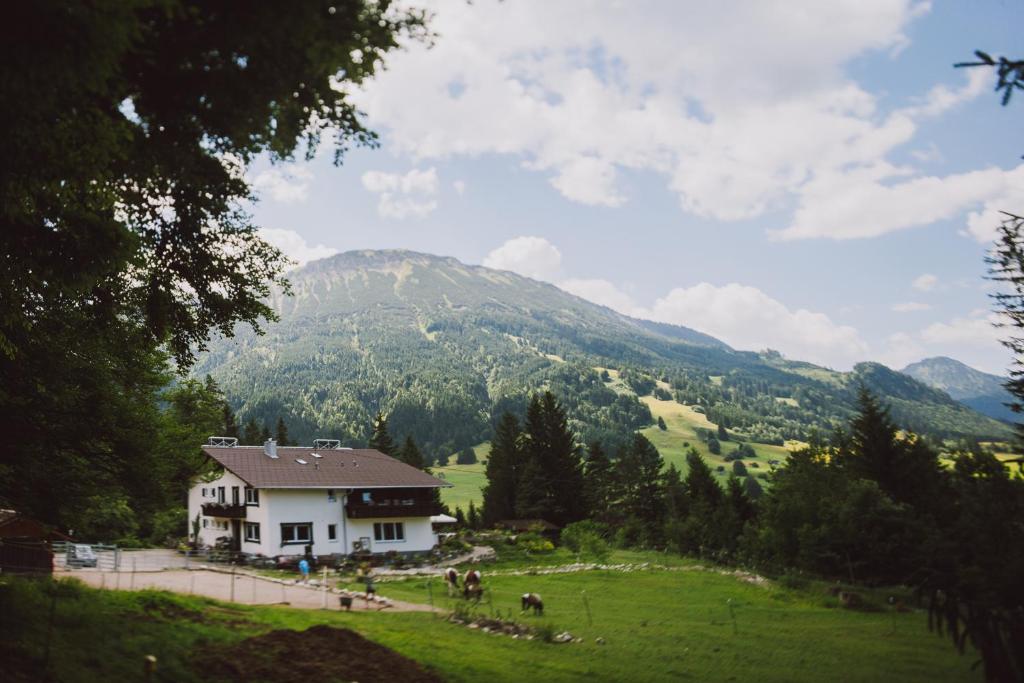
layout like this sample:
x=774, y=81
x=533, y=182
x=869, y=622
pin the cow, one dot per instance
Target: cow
x=451, y=580
x=533, y=600
x=471, y=588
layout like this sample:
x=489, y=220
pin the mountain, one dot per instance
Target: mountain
x=979, y=390
x=444, y=348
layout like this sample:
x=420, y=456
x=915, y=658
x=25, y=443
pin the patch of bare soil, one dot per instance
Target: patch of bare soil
x=321, y=653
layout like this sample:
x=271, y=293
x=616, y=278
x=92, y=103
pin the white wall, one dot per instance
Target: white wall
x=278, y=506
x=208, y=534
x=419, y=534
x=298, y=506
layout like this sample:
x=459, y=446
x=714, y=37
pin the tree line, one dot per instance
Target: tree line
x=873, y=505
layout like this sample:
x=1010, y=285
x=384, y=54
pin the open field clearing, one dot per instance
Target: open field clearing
x=682, y=621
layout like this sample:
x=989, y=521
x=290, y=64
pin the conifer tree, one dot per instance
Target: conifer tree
x=473, y=517
x=381, y=439
x=230, y=427
x=281, y=433
x=639, y=480
x=410, y=454
x=502, y=471
x=597, y=481
x=251, y=433
x=460, y=518
x=553, y=474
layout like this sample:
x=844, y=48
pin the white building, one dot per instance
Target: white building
x=269, y=500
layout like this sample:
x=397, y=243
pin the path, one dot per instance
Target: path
x=248, y=589
x=479, y=553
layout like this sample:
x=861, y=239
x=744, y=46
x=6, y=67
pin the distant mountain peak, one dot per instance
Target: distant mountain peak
x=979, y=390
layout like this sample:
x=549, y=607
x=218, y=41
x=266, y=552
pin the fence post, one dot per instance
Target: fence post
x=232, y=583
x=253, y=589
x=323, y=586
x=131, y=584
x=586, y=604
x=430, y=595
x=191, y=582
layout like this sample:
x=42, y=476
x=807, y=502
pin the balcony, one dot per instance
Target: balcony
x=224, y=510
x=401, y=508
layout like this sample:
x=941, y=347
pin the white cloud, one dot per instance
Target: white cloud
x=972, y=339
x=460, y=186
x=910, y=307
x=600, y=292
x=747, y=318
x=295, y=246
x=925, y=282
x=864, y=203
x=530, y=256
x=287, y=185
x=403, y=196
x=742, y=107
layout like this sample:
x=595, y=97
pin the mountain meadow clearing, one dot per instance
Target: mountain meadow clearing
x=652, y=617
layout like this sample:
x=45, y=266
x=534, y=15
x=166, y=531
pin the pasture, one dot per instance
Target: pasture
x=690, y=622
x=683, y=621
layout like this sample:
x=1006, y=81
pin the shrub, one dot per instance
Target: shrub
x=587, y=538
x=532, y=542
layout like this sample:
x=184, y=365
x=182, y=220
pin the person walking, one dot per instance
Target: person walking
x=304, y=570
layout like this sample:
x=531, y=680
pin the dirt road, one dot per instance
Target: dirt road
x=241, y=588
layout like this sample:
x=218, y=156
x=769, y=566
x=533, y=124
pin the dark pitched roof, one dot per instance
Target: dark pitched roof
x=335, y=468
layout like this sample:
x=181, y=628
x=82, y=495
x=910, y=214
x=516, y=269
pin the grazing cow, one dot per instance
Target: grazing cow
x=533, y=600
x=473, y=591
x=451, y=580
x=471, y=585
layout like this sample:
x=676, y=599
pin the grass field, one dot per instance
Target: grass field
x=689, y=624
x=468, y=480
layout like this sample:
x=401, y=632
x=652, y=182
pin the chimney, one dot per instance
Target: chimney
x=270, y=448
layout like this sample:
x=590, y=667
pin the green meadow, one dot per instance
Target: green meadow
x=684, y=623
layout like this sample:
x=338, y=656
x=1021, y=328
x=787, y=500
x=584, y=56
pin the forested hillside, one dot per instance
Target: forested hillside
x=443, y=348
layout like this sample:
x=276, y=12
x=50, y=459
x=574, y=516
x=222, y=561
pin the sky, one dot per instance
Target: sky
x=811, y=177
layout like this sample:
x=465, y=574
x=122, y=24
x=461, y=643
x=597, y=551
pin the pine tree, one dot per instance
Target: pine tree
x=723, y=435
x=597, y=482
x=282, y=433
x=502, y=471
x=701, y=488
x=410, y=454
x=460, y=518
x=661, y=423
x=753, y=488
x=251, y=433
x=381, y=440
x=264, y=435
x=467, y=456
x=230, y=427
x=472, y=517
x=553, y=473
x=673, y=492
x=639, y=479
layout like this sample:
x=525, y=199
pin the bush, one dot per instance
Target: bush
x=739, y=469
x=714, y=446
x=587, y=538
x=532, y=542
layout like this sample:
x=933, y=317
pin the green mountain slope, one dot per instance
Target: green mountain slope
x=978, y=390
x=444, y=348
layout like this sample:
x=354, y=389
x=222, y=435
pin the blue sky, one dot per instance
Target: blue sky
x=810, y=177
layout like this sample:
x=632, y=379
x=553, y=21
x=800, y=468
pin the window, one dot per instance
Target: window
x=234, y=495
x=204, y=492
x=252, y=496
x=252, y=532
x=296, y=533
x=367, y=498
x=330, y=496
x=388, y=531
x=332, y=532
x=206, y=523
x=220, y=494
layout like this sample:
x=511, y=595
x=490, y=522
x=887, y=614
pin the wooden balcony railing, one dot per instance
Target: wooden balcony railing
x=224, y=510
x=414, y=509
